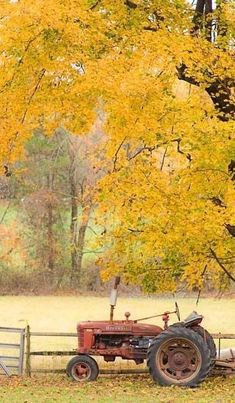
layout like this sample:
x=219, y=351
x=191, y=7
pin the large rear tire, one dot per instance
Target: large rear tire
x=209, y=340
x=179, y=356
x=82, y=368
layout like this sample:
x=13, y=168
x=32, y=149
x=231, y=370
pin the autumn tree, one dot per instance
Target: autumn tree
x=170, y=150
x=41, y=195
x=175, y=178
x=57, y=181
x=85, y=169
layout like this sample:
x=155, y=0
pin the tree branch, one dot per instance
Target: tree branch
x=231, y=229
x=5, y=212
x=116, y=154
x=20, y=61
x=163, y=159
x=41, y=75
x=135, y=230
x=140, y=150
x=219, y=89
x=130, y=4
x=221, y=265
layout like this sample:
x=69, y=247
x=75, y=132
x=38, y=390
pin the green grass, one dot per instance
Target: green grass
x=135, y=389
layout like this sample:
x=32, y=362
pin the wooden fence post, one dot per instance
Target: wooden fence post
x=28, y=351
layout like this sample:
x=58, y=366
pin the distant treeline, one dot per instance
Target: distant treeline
x=47, y=217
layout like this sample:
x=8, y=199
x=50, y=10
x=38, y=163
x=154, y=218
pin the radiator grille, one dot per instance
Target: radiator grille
x=80, y=337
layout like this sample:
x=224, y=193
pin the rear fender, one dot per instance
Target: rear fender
x=193, y=319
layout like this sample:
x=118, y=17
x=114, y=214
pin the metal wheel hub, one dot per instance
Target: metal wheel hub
x=178, y=359
x=82, y=371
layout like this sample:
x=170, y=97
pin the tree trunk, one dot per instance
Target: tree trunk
x=50, y=232
x=77, y=232
x=198, y=16
x=220, y=89
x=50, y=239
x=73, y=223
x=208, y=20
x=79, y=248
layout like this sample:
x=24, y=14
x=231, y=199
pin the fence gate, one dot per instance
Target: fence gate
x=11, y=350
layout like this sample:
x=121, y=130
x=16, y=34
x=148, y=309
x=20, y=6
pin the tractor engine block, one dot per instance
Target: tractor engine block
x=126, y=339
x=123, y=341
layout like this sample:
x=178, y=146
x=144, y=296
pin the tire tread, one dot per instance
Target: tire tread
x=179, y=331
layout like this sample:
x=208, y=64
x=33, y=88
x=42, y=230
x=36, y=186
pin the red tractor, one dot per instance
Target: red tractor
x=181, y=354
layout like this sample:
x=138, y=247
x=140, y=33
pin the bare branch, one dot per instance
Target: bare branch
x=41, y=75
x=163, y=159
x=221, y=265
x=135, y=230
x=5, y=212
x=179, y=150
x=95, y=5
x=144, y=148
x=231, y=229
x=20, y=61
x=130, y=4
x=116, y=154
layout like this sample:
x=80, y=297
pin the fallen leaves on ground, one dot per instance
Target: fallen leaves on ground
x=122, y=389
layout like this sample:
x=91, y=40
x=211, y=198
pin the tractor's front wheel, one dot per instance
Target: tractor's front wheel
x=179, y=356
x=82, y=368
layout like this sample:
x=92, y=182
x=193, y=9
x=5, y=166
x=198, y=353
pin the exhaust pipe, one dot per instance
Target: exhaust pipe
x=113, y=297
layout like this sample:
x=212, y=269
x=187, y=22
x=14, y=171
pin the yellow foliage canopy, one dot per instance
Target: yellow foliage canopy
x=167, y=155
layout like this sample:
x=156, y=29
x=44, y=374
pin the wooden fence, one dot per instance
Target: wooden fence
x=29, y=353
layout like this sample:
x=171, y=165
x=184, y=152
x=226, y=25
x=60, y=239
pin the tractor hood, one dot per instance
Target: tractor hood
x=120, y=327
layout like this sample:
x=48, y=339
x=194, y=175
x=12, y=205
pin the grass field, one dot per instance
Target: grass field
x=61, y=313
x=134, y=389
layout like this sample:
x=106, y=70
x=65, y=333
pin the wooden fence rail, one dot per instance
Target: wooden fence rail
x=29, y=353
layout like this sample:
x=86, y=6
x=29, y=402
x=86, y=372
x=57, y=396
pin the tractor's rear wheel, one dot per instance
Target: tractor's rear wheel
x=209, y=340
x=82, y=368
x=179, y=356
